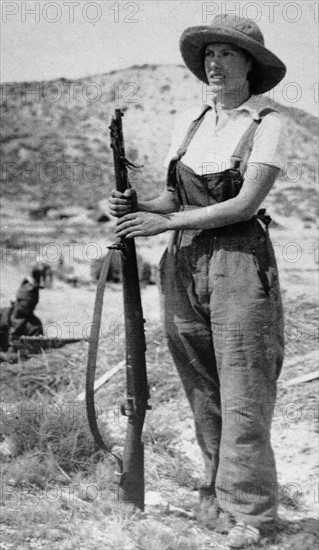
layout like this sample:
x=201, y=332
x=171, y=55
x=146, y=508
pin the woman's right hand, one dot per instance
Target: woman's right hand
x=123, y=203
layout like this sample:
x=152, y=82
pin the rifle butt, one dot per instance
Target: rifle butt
x=131, y=488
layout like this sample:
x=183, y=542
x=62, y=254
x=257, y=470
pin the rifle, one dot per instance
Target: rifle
x=131, y=466
x=36, y=344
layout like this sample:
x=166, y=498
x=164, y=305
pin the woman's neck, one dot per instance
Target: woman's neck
x=231, y=99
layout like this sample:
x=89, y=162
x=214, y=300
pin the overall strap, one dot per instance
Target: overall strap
x=242, y=152
x=192, y=129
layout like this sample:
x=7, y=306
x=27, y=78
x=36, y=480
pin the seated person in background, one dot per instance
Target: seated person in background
x=18, y=319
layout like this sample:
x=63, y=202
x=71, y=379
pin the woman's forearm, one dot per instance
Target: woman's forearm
x=216, y=215
x=160, y=215
x=148, y=223
x=208, y=217
x=164, y=204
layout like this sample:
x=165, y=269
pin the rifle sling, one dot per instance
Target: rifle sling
x=92, y=356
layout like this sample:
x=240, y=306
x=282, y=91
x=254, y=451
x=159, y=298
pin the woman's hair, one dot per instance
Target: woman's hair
x=253, y=72
x=252, y=76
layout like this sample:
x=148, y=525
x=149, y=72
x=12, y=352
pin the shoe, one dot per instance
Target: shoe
x=243, y=535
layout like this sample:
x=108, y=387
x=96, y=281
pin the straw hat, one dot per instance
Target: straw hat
x=268, y=70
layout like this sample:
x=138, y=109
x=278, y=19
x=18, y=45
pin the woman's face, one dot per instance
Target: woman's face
x=226, y=67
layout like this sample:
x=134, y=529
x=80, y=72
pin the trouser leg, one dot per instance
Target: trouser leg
x=202, y=391
x=189, y=339
x=231, y=367
x=248, y=340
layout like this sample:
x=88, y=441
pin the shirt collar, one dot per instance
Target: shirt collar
x=254, y=105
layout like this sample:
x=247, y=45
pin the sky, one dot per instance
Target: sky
x=42, y=40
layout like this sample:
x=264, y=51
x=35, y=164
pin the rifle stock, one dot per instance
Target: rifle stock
x=131, y=488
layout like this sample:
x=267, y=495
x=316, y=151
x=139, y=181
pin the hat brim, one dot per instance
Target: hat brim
x=270, y=70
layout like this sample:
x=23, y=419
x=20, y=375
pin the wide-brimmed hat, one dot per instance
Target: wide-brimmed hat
x=268, y=69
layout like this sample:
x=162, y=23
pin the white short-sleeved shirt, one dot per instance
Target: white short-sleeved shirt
x=216, y=139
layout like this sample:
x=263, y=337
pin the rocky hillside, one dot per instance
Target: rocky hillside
x=55, y=138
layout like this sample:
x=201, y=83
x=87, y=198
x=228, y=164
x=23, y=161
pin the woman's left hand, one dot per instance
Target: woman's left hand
x=141, y=224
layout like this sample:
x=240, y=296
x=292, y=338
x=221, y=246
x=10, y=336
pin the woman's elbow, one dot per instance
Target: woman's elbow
x=245, y=212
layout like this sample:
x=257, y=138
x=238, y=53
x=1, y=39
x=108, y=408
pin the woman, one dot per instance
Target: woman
x=222, y=306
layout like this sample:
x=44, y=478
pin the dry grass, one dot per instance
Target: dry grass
x=55, y=432
x=43, y=374
x=58, y=493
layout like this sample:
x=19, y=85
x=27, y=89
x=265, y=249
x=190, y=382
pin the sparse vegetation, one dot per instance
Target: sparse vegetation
x=65, y=487
x=57, y=431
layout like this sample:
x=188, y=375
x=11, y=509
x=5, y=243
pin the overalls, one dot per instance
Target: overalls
x=223, y=321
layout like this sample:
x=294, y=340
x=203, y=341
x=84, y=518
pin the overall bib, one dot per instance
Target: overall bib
x=223, y=321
